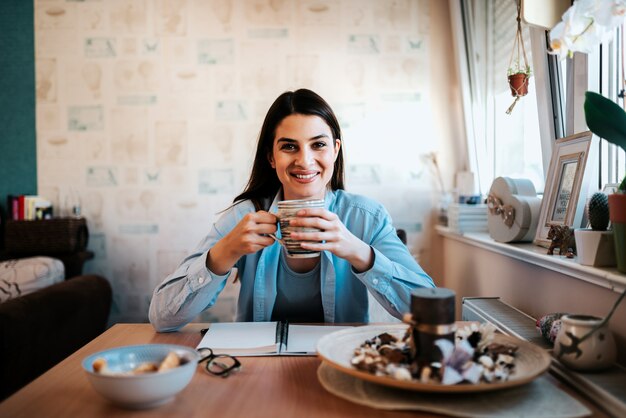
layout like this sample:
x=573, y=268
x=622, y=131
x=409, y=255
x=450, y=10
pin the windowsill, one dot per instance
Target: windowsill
x=609, y=278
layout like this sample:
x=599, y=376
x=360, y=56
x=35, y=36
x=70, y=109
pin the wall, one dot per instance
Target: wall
x=18, y=168
x=447, y=111
x=472, y=271
x=149, y=111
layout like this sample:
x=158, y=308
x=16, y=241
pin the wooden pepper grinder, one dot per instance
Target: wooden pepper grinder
x=431, y=318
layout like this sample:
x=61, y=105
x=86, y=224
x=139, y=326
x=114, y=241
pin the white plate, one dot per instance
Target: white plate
x=337, y=349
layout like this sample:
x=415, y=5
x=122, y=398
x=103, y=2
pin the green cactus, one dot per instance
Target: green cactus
x=598, y=211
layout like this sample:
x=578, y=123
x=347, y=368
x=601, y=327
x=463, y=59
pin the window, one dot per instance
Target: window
x=611, y=82
x=511, y=145
x=605, y=74
x=500, y=144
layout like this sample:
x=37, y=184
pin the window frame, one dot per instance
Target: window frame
x=559, y=103
x=549, y=95
x=595, y=72
x=462, y=50
x=552, y=104
x=545, y=72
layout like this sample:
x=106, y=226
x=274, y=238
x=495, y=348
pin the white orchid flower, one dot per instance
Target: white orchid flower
x=613, y=16
x=586, y=24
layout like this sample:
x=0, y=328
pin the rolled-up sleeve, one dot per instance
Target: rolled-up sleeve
x=192, y=288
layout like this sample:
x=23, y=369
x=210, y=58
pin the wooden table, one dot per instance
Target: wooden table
x=265, y=387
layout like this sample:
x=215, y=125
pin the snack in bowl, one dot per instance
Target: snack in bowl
x=473, y=358
x=141, y=376
x=169, y=362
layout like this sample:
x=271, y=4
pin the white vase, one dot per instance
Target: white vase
x=596, y=352
x=595, y=248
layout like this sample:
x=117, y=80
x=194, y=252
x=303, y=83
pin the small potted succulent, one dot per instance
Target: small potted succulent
x=594, y=246
x=607, y=119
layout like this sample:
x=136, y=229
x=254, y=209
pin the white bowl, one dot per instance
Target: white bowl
x=141, y=390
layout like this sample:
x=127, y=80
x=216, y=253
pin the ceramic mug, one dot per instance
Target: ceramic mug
x=594, y=353
x=287, y=210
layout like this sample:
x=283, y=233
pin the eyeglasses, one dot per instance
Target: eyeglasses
x=218, y=364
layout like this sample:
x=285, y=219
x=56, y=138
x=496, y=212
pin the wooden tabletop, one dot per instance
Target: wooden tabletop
x=265, y=386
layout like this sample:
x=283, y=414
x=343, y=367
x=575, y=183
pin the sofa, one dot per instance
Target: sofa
x=41, y=328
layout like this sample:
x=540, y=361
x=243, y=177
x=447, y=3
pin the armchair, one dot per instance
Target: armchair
x=39, y=329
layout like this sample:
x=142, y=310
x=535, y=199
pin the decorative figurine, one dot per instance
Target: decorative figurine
x=562, y=237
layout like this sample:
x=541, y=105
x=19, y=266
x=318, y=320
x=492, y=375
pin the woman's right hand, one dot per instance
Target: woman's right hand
x=247, y=237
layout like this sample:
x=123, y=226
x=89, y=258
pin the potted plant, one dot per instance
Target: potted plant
x=608, y=120
x=594, y=246
x=518, y=75
x=518, y=72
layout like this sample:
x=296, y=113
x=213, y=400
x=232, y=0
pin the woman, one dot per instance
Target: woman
x=298, y=156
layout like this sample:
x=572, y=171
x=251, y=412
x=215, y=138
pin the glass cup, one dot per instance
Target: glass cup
x=287, y=210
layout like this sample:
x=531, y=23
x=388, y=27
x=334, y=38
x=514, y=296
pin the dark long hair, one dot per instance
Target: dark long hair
x=263, y=183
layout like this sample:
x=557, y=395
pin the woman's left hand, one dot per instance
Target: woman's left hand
x=333, y=237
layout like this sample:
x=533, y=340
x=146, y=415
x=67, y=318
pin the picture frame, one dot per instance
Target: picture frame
x=610, y=188
x=566, y=186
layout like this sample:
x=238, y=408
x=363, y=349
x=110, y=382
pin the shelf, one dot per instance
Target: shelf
x=609, y=278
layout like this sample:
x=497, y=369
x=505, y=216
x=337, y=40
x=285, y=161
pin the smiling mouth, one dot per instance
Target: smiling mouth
x=304, y=176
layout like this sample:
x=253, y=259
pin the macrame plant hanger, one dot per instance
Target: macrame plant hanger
x=518, y=80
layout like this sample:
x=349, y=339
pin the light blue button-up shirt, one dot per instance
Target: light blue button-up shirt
x=192, y=288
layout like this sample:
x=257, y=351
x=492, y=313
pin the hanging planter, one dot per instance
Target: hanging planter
x=519, y=71
x=518, y=83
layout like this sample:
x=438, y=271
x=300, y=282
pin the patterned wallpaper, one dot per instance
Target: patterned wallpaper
x=148, y=114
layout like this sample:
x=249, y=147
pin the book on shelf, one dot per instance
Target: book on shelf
x=463, y=229
x=468, y=225
x=12, y=207
x=20, y=207
x=468, y=222
x=469, y=216
x=473, y=216
x=265, y=338
x=458, y=212
x=28, y=207
x=465, y=208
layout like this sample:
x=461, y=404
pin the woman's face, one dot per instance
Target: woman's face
x=303, y=155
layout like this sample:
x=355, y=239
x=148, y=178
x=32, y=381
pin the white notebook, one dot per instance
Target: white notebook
x=265, y=338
